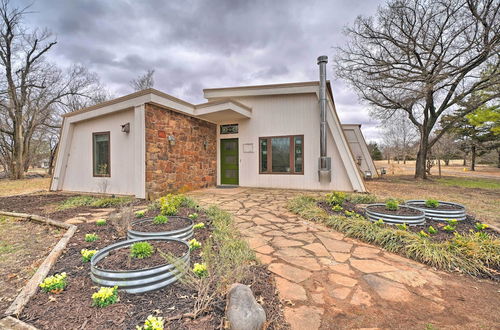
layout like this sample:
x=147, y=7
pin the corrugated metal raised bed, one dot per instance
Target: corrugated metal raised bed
x=412, y=220
x=184, y=233
x=138, y=281
x=457, y=211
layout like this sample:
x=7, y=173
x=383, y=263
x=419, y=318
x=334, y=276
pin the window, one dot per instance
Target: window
x=281, y=155
x=101, y=154
x=229, y=129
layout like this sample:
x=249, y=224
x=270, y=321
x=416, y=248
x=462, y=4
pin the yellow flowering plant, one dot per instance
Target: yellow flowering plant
x=91, y=237
x=199, y=225
x=100, y=222
x=200, y=270
x=55, y=283
x=152, y=323
x=87, y=254
x=194, y=244
x=105, y=296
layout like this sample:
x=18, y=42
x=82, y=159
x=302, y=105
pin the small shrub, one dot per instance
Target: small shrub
x=336, y=198
x=105, y=296
x=432, y=203
x=423, y=234
x=91, y=237
x=100, y=222
x=379, y=223
x=87, y=254
x=432, y=230
x=349, y=213
x=193, y=216
x=199, y=225
x=337, y=208
x=392, y=205
x=402, y=226
x=160, y=219
x=200, y=270
x=362, y=198
x=140, y=214
x=141, y=250
x=194, y=244
x=170, y=204
x=449, y=228
x=55, y=283
x=480, y=226
x=452, y=222
x=152, y=323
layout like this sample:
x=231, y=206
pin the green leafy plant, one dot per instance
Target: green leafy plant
x=194, y=244
x=100, y=222
x=55, y=283
x=193, y=216
x=199, y=225
x=480, y=226
x=152, y=323
x=140, y=213
x=200, y=270
x=449, y=228
x=105, y=296
x=452, y=222
x=107, y=202
x=336, y=198
x=423, y=234
x=337, y=208
x=379, y=222
x=432, y=203
x=141, y=250
x=170, y=204
x=349, y=213
x=87, y=254
x=392, y=205
x=402, y=226
x=160, y=219
x=361, y=198
x=432, y=230
x=91, y=237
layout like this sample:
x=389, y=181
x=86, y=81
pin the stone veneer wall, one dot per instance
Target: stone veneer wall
x=190, y=163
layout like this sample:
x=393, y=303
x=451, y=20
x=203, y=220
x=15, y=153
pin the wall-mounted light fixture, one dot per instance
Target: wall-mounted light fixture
x=171, y=140
x=205, y=144
x=126, y=128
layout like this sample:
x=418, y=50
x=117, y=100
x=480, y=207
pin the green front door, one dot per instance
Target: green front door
x=229, y=160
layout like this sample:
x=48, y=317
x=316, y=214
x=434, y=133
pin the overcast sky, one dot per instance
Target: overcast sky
x=193, y=45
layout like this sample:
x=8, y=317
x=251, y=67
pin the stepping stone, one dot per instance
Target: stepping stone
x=76, y=220
x=371, y=266
x=342, y=280
x=285, y=242
x=317, y=249
x=331, y=234
x=289, y=290
x=291, y=252
x=265, y=249
x=318, y=298
x=255, y=242
x=410, y=278
x=305, y=237
x=360, y=297
x=362, y=252
x=264, y=259
x=340, y=293
x=260, y=221
x=340, y=257
x=335, y=245
x=304, y=262
x=303, y=317
x=275, y=233
x=291, y=273
x=388, y=290
x=299, y=229
x=343, y=269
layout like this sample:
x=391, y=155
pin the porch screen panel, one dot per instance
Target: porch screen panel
x=101, y=154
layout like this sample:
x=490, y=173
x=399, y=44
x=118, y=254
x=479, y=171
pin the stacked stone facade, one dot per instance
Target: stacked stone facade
x=189, y=162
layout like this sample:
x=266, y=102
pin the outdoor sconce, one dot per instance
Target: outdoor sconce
x=205, y=144
x=359, y=160
x=126, y=128
x=368, y=174
x=171, y=140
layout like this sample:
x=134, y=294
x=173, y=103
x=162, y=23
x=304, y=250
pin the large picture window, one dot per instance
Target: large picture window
x=101, y=154
x=281, y=155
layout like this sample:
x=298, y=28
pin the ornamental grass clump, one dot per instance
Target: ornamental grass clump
x=152, y=323
x=160, y=219
x=200, y=270
x=87, y=254
x=392, y=205
x=91, y=237
x=194, y=244
x=105, y=296
x=55, y=283
x=199, y=225
x=100, y=222
x=141, y=250
x=431, y=203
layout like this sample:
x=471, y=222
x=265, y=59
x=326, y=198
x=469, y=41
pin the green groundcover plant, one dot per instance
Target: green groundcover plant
x=105, y=296
x=100, y=222
x=91, y=237
x=474, y=253
x=431, y=203
x=141, y=250
x=392, y=205
x=160, y=219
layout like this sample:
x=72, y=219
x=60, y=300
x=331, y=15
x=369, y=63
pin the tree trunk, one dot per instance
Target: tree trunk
x=52, y=158
x=420, y=165
x=17, y=161
x=473, y=158
x=465, y=160
x=447, y=162
x=439, y=166
x=498, y=164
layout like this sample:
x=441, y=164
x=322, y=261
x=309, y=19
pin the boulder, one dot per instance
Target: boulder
x=243, y=312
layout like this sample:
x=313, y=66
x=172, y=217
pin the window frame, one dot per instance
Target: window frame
x=94, y=174
x=291, y=152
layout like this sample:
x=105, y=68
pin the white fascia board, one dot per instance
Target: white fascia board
x=172, y=104
x=221, y=107
x=228, y=93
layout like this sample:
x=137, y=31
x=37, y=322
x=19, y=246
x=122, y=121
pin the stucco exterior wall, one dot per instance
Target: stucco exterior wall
x=278, y=115
x=188, y=164
x=78, y=175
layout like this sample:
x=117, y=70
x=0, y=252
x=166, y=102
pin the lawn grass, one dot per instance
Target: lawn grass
x=470, y=183
x=98, y=202
x=24, y=186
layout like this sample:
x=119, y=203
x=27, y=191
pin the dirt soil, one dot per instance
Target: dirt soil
x=121, y=259
x=402, y=210
x=23, y=246
x=44, y=310
x=174, y=223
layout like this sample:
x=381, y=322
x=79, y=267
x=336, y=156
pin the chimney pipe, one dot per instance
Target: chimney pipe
x=324, y=170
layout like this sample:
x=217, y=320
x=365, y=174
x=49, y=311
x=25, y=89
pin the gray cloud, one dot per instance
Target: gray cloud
x=195, y=44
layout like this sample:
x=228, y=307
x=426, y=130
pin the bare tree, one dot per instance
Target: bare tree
x=31, y=89
x=399, y=135
x=423, y=58
x=144, y=81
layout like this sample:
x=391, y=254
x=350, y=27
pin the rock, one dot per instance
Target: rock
x=243, y=312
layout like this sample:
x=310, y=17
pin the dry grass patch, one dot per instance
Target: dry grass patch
x=24, y=186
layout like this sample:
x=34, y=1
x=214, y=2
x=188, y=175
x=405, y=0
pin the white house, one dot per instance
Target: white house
x=148, y=143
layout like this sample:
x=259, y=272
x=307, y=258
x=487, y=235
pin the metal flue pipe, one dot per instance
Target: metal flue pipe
x=324, y=161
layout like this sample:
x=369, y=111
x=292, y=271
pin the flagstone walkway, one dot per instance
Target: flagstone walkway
x=329, y=281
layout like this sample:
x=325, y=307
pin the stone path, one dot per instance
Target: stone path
x=329, y=281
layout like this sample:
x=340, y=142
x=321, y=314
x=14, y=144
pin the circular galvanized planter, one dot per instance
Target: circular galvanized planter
x=184, y=233
x=138, y=281
x=440, y=215
x=411, y=220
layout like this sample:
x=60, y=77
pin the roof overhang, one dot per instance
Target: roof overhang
x=222, y=110
x=260, y=90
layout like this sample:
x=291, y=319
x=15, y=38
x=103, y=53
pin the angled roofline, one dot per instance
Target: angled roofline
x=267, y=86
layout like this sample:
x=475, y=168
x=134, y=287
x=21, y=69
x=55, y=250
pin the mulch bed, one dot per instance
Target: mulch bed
x=72, y=308
x=439, y=207
x=147, y=225
x=403, y=210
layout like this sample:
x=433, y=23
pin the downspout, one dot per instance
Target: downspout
x=325, y=164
